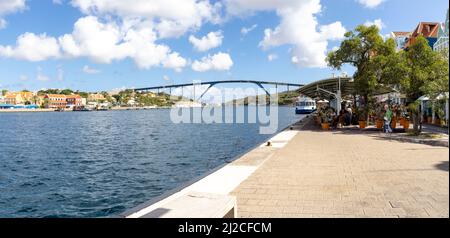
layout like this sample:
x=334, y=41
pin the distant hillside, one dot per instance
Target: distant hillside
x=284, y=99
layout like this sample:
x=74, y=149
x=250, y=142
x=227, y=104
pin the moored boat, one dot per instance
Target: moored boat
x=305, y=105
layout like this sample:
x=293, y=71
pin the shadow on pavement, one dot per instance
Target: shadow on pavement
x=442, y=166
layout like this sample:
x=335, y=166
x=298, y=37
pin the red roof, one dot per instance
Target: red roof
x=401, y=33
x=427, y=29
x=55, y=96
x=74, y=96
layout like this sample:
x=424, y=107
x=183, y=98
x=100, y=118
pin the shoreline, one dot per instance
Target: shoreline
x=113, y=108
x=26, y=110
x=53, y=110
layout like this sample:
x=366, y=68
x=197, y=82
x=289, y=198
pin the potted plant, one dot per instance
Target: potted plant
x=405, y=117
x=362, y=118
x=393, y=122
x=326, y=120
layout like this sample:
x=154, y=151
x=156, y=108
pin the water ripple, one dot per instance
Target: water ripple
x=100, y=164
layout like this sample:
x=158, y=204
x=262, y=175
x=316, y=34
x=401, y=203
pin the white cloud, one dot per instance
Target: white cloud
x=11, y=6
x=378, y=22
x=172, y=18
x=370, y=3
x=174, y=61
x=246, y=30
x=8, y=7
x=166, y=78
x=41, y=76
x=272, y=57
x=220, y=62
x=210, y=41
x=94, y=39
x=100, y=42
x=89, y=70
x=298, y=27
x=32, y=47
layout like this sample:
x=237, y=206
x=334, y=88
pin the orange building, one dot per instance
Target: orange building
x=13, y=99
x=429, y=30
x=55, y=101
x=18, y=97
x=74, y=100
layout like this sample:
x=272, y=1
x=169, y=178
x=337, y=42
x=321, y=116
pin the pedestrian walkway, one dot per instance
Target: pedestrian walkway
x=434, y=129
x=348, y=173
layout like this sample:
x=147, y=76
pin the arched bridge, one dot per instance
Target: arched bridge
x=213, y=83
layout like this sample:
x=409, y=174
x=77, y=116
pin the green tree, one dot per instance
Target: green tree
x=365, y=49
x=4, y=92
x=439, y=86
x=82, y=94
x=67, y=91
x=35, y=99
x=418, y=71
x=118, y=98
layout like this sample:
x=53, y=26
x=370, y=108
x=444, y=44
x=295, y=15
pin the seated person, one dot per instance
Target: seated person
x=347, y=119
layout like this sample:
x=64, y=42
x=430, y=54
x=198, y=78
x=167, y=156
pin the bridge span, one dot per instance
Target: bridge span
x=213, y=83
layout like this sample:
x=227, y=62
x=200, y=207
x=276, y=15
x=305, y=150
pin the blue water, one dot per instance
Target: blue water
x=97, y=164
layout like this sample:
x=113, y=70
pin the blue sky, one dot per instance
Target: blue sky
x=239, y=56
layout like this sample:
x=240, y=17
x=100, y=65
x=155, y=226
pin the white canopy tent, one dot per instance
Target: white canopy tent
x=442, y=96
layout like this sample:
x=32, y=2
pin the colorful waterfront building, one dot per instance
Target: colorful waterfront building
x=429, y=30
x=13, y=99
x=442, y=41
x=55, y=101
x=400, y=38
x=74, y=101
x=18, y=98
x=96, y=97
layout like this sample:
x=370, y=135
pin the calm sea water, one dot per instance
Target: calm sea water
x=97, y=164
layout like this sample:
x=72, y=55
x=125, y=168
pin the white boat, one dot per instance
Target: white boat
x=305, y=105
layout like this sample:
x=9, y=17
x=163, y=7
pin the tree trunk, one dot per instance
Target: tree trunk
x=416, y=121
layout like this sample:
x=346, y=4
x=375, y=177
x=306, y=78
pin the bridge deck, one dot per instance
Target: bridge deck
x=219, y=82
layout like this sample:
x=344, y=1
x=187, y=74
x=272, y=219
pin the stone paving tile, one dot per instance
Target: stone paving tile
x=347, y=174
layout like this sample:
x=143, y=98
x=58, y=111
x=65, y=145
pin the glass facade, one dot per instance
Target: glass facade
x=442, y=41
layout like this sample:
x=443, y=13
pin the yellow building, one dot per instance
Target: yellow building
x=18, y=97
x=96, y=97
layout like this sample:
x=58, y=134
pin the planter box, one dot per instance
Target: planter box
x=405, y=124
x=362, y=124
x=379, y=124
x=393, y=123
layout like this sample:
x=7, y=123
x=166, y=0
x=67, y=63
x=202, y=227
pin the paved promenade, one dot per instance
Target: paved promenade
x=347, y=173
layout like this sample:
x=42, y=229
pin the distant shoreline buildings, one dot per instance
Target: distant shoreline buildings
x=436, y=33
x=34, y=100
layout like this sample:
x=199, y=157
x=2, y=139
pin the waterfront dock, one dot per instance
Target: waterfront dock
x=348, y=173
x=307, y=172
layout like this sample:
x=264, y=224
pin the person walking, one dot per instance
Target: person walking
x=387, y=119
